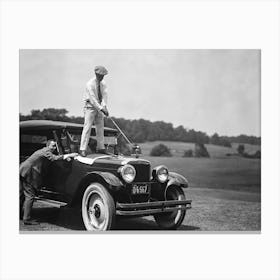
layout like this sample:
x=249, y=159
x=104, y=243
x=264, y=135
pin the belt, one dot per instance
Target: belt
x=88, y=105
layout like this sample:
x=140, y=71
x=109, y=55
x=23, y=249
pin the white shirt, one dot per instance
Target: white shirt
x=91, y=95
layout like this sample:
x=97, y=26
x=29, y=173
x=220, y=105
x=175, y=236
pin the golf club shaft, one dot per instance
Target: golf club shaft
x=120, y=131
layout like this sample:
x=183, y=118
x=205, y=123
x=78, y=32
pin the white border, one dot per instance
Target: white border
x=157, y=24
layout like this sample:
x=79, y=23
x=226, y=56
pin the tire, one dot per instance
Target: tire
x=172, y=220
x=98, y=208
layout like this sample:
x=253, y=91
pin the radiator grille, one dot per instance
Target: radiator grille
x=143, y=172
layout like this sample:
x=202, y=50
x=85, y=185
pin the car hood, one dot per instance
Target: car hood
x=109, y=159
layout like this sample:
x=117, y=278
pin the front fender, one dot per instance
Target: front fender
x=109, y=178
x=177, y=180
x=110, y=181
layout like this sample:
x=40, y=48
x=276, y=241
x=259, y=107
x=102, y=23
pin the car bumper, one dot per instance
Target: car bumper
x=150, y=208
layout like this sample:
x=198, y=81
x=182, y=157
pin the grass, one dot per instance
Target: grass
x=218, y=171
x=219, y=210
x=212, y=210
x=178, y=148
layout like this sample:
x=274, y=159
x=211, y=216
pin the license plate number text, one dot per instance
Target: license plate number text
x=140, y=189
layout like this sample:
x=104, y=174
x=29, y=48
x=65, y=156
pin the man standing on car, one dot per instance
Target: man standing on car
x=30, y=172
x=94, y=109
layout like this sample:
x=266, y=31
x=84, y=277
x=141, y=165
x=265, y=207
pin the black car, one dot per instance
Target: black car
x=103, y=186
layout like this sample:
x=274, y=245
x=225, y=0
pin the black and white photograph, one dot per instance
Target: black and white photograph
x=140, y=140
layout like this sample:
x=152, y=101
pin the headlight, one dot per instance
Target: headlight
x=128, y=173
x=161, y=173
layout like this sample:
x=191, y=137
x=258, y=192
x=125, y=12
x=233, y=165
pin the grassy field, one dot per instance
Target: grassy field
x=218, y=171
x=223, y=173
x=178, y=148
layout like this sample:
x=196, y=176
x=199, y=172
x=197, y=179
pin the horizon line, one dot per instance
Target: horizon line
x=187, y=129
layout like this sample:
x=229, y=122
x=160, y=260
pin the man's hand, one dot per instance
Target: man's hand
x=73, y=154
x=68, y=156
x=105, y=111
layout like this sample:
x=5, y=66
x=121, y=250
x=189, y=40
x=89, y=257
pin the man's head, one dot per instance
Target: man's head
x=51, y=144
x=100, y=72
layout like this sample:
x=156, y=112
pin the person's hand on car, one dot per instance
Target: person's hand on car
x=69, y=156
x=74, y=154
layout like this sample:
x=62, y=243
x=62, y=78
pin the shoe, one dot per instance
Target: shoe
x=82, y=153
x=30, y=222
x=102, y=151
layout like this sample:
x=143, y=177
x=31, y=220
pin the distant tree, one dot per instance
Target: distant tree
x=180, y=133
x=225, y=142
x=47, y=114
x=201, y=137
x=143, y=130
x=241, y=149
x=245, y=139
x=200, y=150
x=215, y=139
x=191, y=136
x=79, y=120
x=220, y=140
x=188, y=153
x=160, y=151
x=55, y=114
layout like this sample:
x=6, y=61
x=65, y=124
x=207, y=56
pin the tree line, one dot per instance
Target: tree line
x=142, y=130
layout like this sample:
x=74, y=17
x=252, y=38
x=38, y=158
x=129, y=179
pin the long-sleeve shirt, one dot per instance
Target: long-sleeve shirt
x=91, y=95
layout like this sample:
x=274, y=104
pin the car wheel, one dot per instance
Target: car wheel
x=98, y=208
x=172, y=220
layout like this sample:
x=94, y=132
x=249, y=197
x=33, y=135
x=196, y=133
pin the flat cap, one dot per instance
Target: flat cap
x=101, y=70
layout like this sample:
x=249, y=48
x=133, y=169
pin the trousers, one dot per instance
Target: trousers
x=96, y=117
x=27, y=197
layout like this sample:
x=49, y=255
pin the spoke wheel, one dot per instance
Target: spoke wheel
x=172, y=220
x=98, y=208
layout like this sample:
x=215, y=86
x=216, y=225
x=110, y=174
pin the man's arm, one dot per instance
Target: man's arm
x=91, y=97
x=50, y=156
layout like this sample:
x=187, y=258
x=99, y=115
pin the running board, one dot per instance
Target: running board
x=51, y=202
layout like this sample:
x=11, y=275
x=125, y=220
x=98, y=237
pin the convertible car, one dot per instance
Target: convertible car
x=103, y=186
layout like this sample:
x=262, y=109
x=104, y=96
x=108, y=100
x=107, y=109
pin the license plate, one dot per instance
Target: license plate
x=140, y=189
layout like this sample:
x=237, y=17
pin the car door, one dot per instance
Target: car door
x=57, y=172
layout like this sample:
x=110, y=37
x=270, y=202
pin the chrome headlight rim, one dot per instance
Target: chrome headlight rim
x=159, y=177
x=124, y=176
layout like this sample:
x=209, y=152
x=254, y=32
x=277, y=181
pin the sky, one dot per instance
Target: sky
x=207, y=90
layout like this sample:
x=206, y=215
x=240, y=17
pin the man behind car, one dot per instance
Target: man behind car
x=95, y=108
x=30, y=172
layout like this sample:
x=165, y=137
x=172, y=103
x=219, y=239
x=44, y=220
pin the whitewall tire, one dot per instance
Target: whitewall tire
x=98, y=208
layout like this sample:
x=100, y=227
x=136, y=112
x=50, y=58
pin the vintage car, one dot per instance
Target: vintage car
x=103, y=186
